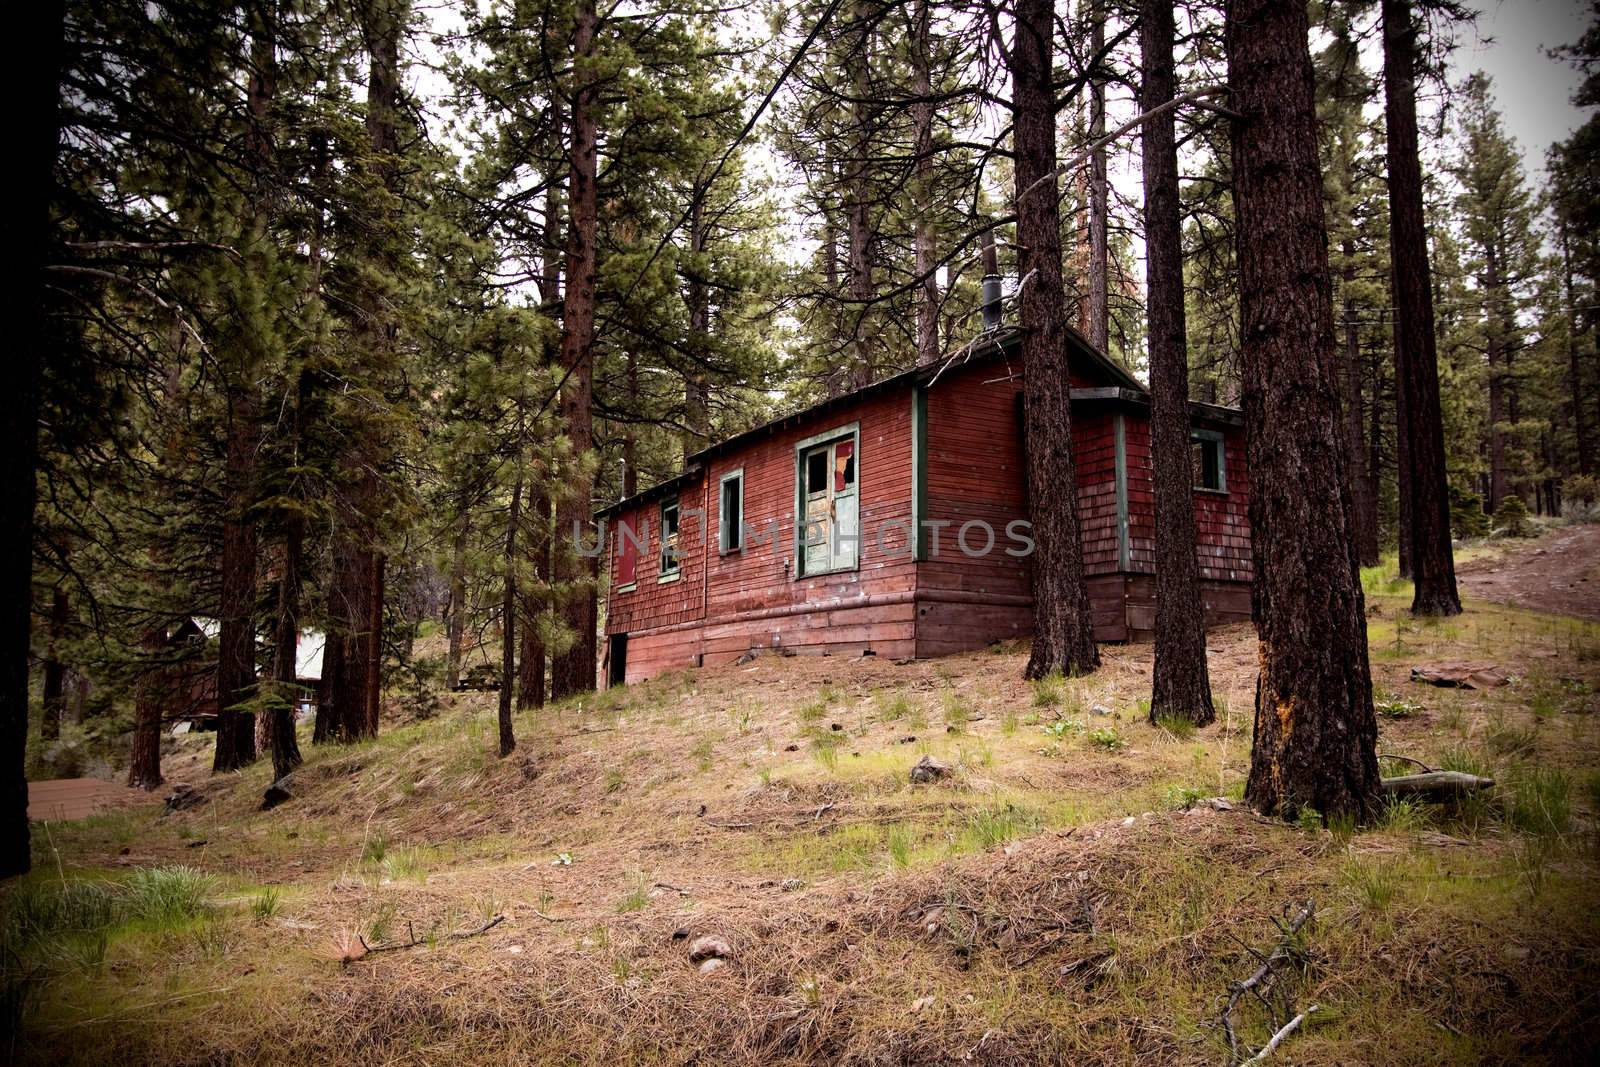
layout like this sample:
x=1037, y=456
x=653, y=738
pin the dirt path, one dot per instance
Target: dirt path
x=59, y=799
x=1558, y=573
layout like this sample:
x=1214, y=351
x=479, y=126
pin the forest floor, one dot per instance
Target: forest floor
x=1558, y=572
x=1069, y=893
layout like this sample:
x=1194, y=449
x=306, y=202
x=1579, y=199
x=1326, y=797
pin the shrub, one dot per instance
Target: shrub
x=1511, y=518
x=1467, y=517
x=1582, y=487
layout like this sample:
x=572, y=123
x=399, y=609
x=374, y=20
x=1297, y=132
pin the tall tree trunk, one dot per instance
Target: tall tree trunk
x=924, y=234
x=1063, y=630
x=508, y=623
x=530, y=669
x=1433, y=568
x=696, y=394
x=1499, y=470
x=1363, y=493
x=1402, y=473
x=1182, y=685
x=39, y=30
x=1580, y=420
x=151, y=693
x=284, y=745
x=1315, y=731
x=458, y=605
x=1099, y=189
x=574, y=671
x=858, y=194
x=236, y=664
x=54, y=670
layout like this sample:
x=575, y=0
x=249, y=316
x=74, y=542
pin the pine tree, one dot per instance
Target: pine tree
x=1315, y=730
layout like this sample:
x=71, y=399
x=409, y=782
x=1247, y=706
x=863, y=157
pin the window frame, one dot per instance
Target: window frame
x=622, y=540
x=849, y=431
x=730, y=537
x=663, y=574
x=1217, y=440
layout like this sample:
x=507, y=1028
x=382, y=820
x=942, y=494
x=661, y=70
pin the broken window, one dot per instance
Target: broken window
x=831, y=533
x=1206, y=456
x=731, y=515
x=669, y=538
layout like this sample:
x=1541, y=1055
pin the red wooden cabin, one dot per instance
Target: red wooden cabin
x=707, y=565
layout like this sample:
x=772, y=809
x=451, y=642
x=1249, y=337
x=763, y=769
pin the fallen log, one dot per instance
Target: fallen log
x=1440, y=784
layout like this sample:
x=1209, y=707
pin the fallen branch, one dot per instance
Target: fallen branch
x=414, y=940
x=1436, y=784
x=1259, y=984
x=1277, y=1039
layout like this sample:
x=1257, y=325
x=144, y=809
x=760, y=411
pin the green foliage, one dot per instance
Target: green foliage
x=1511, y=517
x=1107, y=738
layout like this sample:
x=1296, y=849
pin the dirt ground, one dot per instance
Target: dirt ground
x=1557, y=573
x=1069, y=891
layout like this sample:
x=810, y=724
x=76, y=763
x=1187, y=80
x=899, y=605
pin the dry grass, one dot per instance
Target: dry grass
x=1055, y=900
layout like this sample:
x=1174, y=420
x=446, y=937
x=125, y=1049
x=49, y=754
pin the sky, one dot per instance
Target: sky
x=1534, y=90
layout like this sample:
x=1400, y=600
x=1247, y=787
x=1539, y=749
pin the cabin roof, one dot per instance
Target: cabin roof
x=1126, y=388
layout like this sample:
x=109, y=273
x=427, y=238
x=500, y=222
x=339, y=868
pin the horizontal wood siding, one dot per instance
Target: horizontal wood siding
x=749, y=597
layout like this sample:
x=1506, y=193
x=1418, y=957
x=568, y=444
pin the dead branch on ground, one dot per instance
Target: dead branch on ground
x=1264, y=987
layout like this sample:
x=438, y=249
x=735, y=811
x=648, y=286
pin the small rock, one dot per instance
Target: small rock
x=791, y=748
x=1129, y=821
x=835, y=727
x=908, y=739
x=929, y=769
x=1099, y=709
x=680, y=934
x=712, y=965
x=704, y=948
x=922, y=1003
x=1220, y=804
x=514, y=949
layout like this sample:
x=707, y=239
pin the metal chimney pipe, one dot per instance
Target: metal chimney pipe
x=991, y=285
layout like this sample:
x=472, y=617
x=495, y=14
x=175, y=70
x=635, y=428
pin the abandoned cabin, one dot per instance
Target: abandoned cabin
x=914, y=538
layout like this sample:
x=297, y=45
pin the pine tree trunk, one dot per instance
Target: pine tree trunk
x=696, y=395
x=1499, y=471
x=574, y=671
x=1182, y=685
x=924, y=235
x=283, y=743
x=1315, y=731
x=1580, y=420
x=458, y=606
x=55, y=672
x=858, y=194
x=1363, y=494
x=1063, y=631
x=1099, y=190
x=236, y=658
x=150, y=697
x=530, y=684
x=508, y=624
x=1433, y=566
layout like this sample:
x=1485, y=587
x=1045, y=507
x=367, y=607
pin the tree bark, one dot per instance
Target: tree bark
x=530, y=668
x=858, y=193
x=1315, y=731
x=924, y=234
x=1580, y=420
x=1099, y=190
x=458, y=605
x=696, y=392
x=1499, y=471
x=1363, y=493
x=150, y=697
x=1063, y=638
x=574, y=670
x=508, y=623
x=55, y=672
x=1182, y=684
x=284, y=744
x=1433, y=567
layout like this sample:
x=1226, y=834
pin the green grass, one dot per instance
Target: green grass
x=637, y=898
x=1177, y=727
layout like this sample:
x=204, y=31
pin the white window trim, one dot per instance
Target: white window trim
x=851, y=430
x=724, y=531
